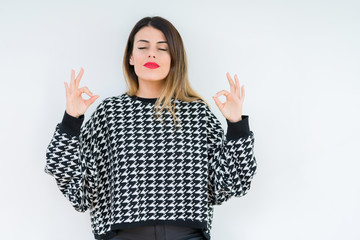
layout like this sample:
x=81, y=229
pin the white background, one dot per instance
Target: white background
x=299, y=61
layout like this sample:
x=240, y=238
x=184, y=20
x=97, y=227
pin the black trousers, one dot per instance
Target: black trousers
x=159, y=232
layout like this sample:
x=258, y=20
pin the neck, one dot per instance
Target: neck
x=150, y=89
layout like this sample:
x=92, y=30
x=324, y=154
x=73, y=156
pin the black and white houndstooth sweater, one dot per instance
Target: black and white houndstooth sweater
x=130, y=168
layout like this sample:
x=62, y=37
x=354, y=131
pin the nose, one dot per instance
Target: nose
x=152, y=53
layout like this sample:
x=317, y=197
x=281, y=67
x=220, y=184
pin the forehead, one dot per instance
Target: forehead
x=149, y=33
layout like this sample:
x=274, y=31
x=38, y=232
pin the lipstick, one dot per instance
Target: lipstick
x=151, y=65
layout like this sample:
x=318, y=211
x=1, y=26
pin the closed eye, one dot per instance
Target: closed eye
x=162, y=49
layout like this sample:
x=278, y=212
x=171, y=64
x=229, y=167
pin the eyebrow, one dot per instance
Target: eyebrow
x=142, y=40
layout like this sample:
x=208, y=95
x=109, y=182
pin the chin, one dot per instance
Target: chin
x=151, y=77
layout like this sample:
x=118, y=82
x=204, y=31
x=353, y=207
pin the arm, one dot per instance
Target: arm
x=232, y=163
x=71, y=157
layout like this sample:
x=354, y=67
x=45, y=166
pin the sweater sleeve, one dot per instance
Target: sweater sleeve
x=71, y=157
x=232, y=163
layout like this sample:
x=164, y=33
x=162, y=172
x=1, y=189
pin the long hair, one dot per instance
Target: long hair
x=177, y=84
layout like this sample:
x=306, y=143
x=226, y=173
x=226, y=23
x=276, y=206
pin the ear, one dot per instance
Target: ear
x=131, y=60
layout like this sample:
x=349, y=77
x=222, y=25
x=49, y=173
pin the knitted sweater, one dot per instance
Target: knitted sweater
x=131, y=169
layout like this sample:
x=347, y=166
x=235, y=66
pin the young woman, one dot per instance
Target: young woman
x=152, y=162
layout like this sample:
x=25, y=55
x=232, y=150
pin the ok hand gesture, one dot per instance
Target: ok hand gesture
x=232, y=108
x=75, y=104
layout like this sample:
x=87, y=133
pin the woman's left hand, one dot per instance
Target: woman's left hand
x=232, y=108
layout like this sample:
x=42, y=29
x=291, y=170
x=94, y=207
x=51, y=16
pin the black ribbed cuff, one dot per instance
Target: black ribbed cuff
x=238, y=129
x=71, y=125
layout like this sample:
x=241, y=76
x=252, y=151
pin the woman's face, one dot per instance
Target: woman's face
x=150, y=45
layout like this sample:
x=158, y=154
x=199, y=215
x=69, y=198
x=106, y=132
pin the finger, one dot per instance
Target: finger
x=66, y=89
x=78, y=78
x=218, y=103
x=242, y=98
x=72, y=79
x=91, y=100
x=86, y=90
x=237, y=83
x=222, y=92
x=231, y=82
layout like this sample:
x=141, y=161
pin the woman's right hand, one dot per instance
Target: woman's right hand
x=75, y=104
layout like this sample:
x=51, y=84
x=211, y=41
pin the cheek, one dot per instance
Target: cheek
x=168, y=60
x=136, y=57
x=139, y=55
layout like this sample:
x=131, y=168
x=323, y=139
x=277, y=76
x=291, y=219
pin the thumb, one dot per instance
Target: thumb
x=218, y=103
x=91, y=100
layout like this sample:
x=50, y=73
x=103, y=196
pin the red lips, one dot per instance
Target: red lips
x=151, y=65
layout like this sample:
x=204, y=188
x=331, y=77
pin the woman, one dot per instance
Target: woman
x=147, y=172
